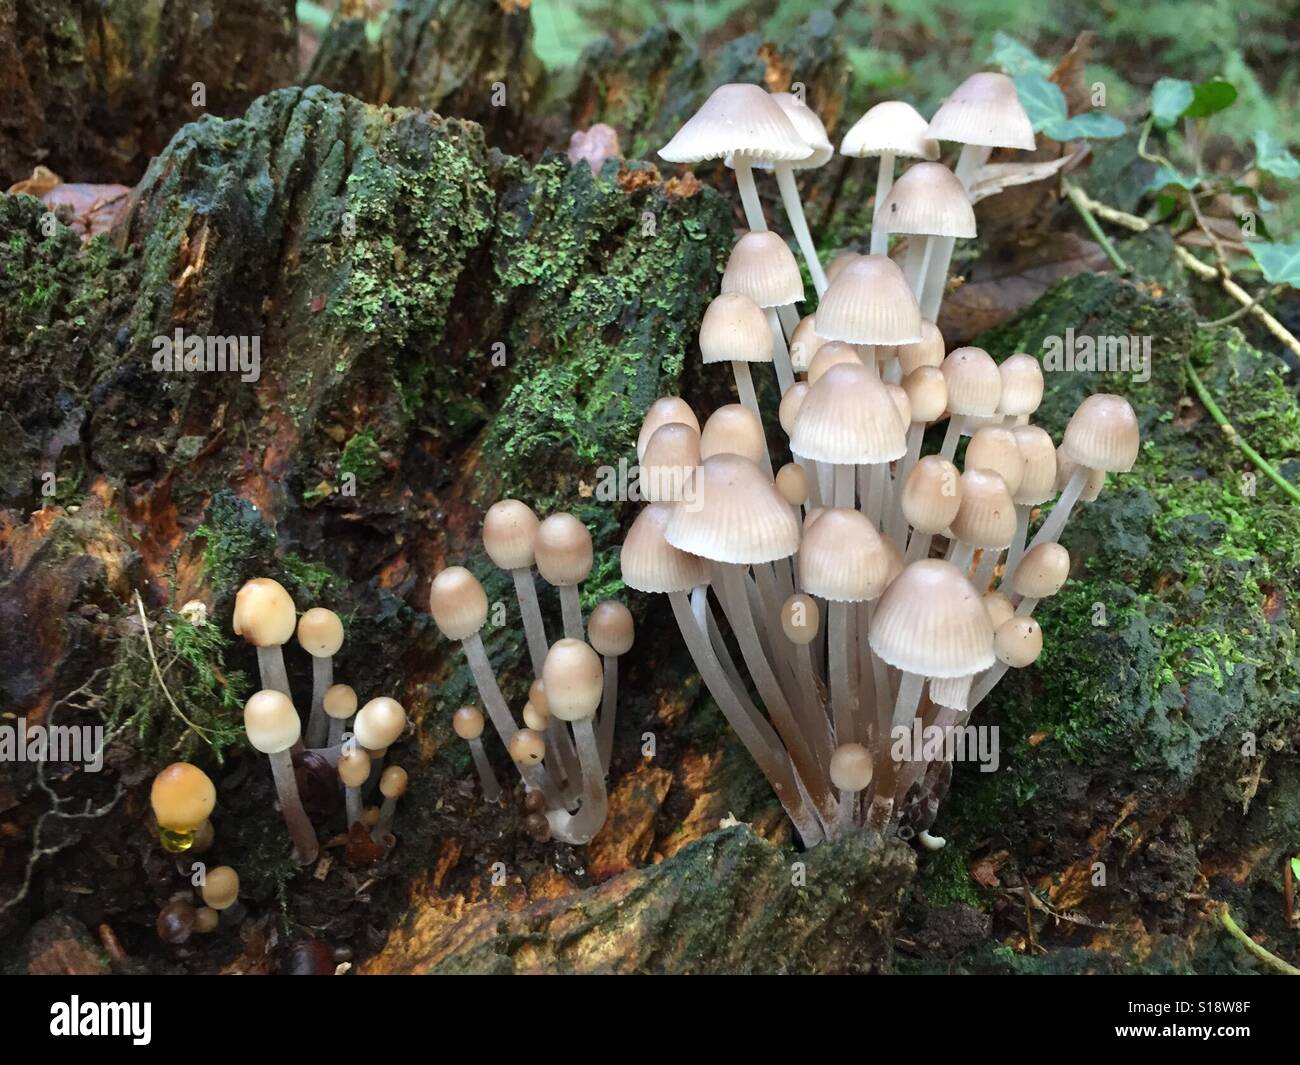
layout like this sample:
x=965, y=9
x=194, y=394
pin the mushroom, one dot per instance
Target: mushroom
x=733, y=430
x=339, y=704
x=510, y=538
x=206, y=920
x=993, y=448
x=927, y=202
x=564, y=558
x=183, y=797
x=763, y=269
x=611, y=631
x=574, y=683
x=974, y=388
x=734, y=330
x=663, y=411
x=320, y=632
x=220, y=888
x=273, y=728
x=265, y=617
x=870, y=305
x=379, y=724
x=1022, y=388
x=804, y=342
x=354, y=771
x=851, y=772
x=985, y=519
x=392, y=786
x=671, y=458
x=1037, y=483
x=468, y=723
x=889, y=130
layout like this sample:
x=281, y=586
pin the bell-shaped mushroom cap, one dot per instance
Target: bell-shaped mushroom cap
x=984, y=109
x=510, y=533
x=902, y=402
x=737, y=119
x=999, y=608
x=182, y=797
x=468, y=722
x=928, y=200
x=340, y=702
x=1102, y=434
x=1018, y=642
x=1022, y=385
x=379, y=723
x=763, y=268
x=271, y=721
x=1065, y=467
x=931, y=495
x=733, y=429
x=1038, y=483
x=563, y=552
x=842, y=559
x=800, y=618
x=850, y=767
x=892, y=126
x=995, y=448
x=896, y=561
x=928, y=351
x=832, y=353
x=738, y=517
x=664, y=411
x=668, y=468
x=527, y=747
x=651, y=564
x=927, y=392
x=392, y=782
x=735, y=329
x=804, y=342
x=1042, y=571
x=320, y=632
x=574, y=680
x=354, y=765
x=792, y=483
x=987, y=515
x=220, y=887
x=931, y=621
x=793, y=399
x=458, y=603
x=974, y=384
x=264, y=613
x=810, y=130
x=610, y=629
x=848, y=418
x=842, y=258
x=870, y=302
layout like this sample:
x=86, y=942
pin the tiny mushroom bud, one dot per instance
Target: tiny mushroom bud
x=611, y=632
x=663, y=412
x=221, y=887
x=564, y=559
x=206, y=920
x=183, y=797
x=792, y=483
x=1018, y=642
x=339, y=704
x=510, y=534
x=801, y=618
x=392, y=786
x=537, y=720
x=468, y=722
x=527, y=747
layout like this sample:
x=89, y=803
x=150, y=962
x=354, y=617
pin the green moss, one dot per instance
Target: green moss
x=234, y=535
x=360, y=457
x=310, y=579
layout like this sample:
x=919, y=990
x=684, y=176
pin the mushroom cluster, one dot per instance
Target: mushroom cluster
x=562, y=751
x=866, y=586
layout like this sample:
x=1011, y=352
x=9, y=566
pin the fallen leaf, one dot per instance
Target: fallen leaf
x=42, y=180
x=94, y=209
x=993, y=178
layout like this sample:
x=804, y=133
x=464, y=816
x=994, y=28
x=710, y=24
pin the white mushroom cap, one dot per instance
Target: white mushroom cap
x=563, y=550
x=1042, y=571
x=735, y=329
x=870, y=302
x=974, y=384
x=996, y=448
x=931, y=621
x=987, y=515
x=847, y=418
x=1103, y=434
x=738, y=517
x=271, y=721
x=928, y=200
x=810, y=130
x=842, y=558
x=1022, y=384
x=1039, y=481
x=800, y=618
x=574, y=679
x=737, y=119
x=733, y=429
x=1018, y=642
x=850, y=767
x=663, y=411
x=379, y=723
x=651, y=564
x=891, y=126
x=928, y=351
x=804, y=342
x=763, y=268
x=984, y=109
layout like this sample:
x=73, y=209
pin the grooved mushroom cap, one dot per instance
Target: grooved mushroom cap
x=564, y=553
x=999, y=608
x=1038, y=484
x=610, y=629
x=392, y=782
x=763, y=267
x=804, y=342
x=264, y=613
x=931, y=621
x=182, y=797
x=1103, y=434
x=340, y=702
x=733, y=429
x=850, y=767
x=379, y=723
x=870, y=302
x=458, y=603
x=735, y=329
x=668, y=469
x=1065, y=467
x=1042, y=571
x=354, y=766
x=509, y=534
x=271, y=721
x=849, y=418
x=800, y=618
x=1022, y=384
x=320, y=632
x=927, y=391
x=1018, y=642
x=737, y=119
x=790, y=404
x=995, y=448
x=527, y=747
x=832, y=353
x=664, y=411
x=650, y=563
x=931, y=495
x=738, y=517
x=928, y=351
x=792, y=483
x=984, y=109
x=574, y=680
x=892, y=126
x=467, y=721
x=987, y=515
x=842, y=258
x=220, y=887
x=928, y=200
x=974, y=384
x=842, y=558
x=810, y=130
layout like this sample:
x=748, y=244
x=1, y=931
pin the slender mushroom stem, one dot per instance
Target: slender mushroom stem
x=843, y=697
x=531, y=612
x=608, y=708
x=486, y=682
x=952, y=436
x=973, y=156
x=799, y=224
x=594, y=799
x=884, y=183
x=749, y=194
x=295, y=817
x=385, y=823
x=270, y=667
x=335, y=734
x=486, y=778
x=716, y=639
x=1051, y=529
x=873, y=505
x=789, y=319
x=780, y=352
x=1017, y=549
x=919, y=546
x=960, y=555
x=352, y=804
x=984, y=572
x=909, y=698
x=571, y=608
x=844, y=485
x=322, y=679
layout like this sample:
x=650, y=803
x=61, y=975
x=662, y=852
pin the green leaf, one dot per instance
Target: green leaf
x=1272, y=155
x=1015, y=58
x=1095, y=124
x=1295, y=867
x=1170, y=97
x=1165, y=177
x=1042, y=100
x=1279, y=263
x=1211, y=97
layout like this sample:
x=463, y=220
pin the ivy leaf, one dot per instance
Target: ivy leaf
x=1042, y=100
x=1092, y=124
x=1211, y=97
x=1015, y=58
x=1272, y=155
x=1170, y=97
x=1165, y=177
x=1279, y=263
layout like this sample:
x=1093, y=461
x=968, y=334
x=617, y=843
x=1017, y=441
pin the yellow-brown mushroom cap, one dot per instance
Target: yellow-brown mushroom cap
x=264, y=613
x=468, y=722
x=649, y=563
x=379, y=723
x=987, y=515
x=509, y=534
x=995, y=448
x=974, y=384
x=1103, y=434
x=527, y=747
x=564, y=552
x=221, y=887
x=458, y=603
x=664, y=411
x=340, y=702
x=1042, y=571
x=271, y=721
x=1018, y=642
x=733, y=429
x=928, y=351
x=931, y=495
x=792, y=483
x=320, y=632
x=354, y=766
x=392, y=782
x=611, y=629
x=182, y=797
x=574, y=680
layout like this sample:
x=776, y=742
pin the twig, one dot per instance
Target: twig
x=1266, y=956
x=198, y=730
x=1220, y=419
x=1230, y=318
x=1094, y=227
